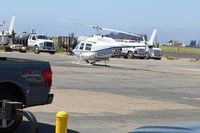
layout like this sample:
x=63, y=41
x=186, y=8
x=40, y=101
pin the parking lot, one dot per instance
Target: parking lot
x=119, y=97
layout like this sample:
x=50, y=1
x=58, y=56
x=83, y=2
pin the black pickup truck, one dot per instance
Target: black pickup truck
x=25, y=81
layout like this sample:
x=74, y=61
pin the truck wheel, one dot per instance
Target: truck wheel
x=36, y=50
x=141, y=57
x=5, y=125
x=52, y=52
x=157, y=58
x=69, y=51
x=8, y=49
x=22, y=50
x=129, y=55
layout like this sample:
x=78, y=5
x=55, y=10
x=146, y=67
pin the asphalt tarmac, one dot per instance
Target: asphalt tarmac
x=119, y=97
x=181, y=55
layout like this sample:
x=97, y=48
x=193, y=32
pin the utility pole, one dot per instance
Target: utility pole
x=1, y=25
x=4, y=22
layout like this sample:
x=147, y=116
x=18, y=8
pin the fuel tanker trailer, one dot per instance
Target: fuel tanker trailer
x=31, y=41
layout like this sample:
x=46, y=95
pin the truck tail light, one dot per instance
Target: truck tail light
x=48, y=78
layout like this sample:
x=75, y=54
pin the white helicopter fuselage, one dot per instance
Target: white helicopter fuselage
x=97, y=48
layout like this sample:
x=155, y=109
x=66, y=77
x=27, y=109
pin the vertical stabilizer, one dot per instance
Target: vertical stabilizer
x=11, y=28
x=153, y=36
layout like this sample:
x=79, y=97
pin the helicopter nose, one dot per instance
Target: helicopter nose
x=74, y=50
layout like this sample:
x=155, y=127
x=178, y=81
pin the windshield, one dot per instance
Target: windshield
x=42, y=37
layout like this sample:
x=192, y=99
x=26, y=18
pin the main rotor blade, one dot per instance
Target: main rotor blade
x=67, y=21
x=100, y=28
x=121, y=32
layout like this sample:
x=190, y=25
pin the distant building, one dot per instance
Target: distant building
x=198, y=43
x=193, y=43
x=174, y=43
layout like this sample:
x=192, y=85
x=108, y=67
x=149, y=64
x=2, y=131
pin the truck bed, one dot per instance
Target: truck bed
x=28, y=78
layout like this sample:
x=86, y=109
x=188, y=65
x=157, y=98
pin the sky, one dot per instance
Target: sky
x=174, y=19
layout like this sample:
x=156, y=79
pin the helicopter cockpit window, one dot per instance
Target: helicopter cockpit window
x=33, y=38
x=82, y=46
x=88, y=46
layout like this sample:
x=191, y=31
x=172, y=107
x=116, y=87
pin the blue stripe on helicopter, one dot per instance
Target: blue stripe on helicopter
x=100, y=50
x=110, y=48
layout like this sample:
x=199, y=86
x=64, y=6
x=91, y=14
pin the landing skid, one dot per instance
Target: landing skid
x=94, y=63
x=101, y=65
x=81, y=63
x=87, y=62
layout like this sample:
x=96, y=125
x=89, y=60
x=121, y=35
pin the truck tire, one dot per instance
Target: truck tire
x=129, y=55
x=141, y=57
x=22, y=50
x=8, y=126
x=52, y=52
x=69, y=51
x=157, y=58
x=36, y=50
x=8, y=49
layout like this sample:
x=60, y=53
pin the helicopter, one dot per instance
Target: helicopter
x=101, y=48
x=96, y=48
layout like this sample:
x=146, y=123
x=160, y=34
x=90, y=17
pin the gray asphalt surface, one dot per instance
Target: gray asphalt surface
x=174, y=84
x=181, y=55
